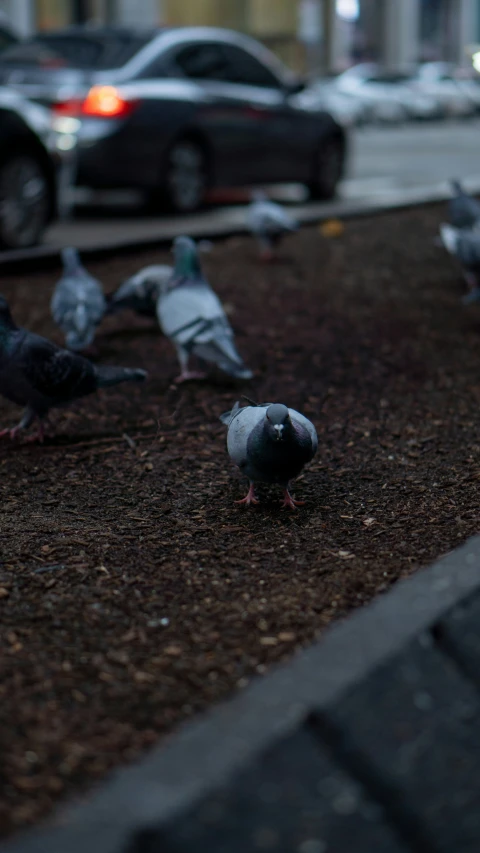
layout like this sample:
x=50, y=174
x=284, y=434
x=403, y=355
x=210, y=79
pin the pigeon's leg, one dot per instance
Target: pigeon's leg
x=186, y=374
x=28, y=418
x=267, y=253
x=250, y=497
x=290, y=502
x=471, y=280
x=39, y=435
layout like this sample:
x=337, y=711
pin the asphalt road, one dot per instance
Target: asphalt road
x=386, y=164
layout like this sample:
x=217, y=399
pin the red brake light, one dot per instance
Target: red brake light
x=68, y=108
x=101, y=102
x=105, y=101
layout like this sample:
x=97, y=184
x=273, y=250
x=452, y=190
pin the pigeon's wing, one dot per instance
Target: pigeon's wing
x=140, y=283
x=279, y=217
x=241, y=425
x=468, y=250
x=184, y=311
x=94, y=299
x=267, y=217
x=301, y=420
x=64, y=299
x=228, y=417
x=449, y=237
x=192, y=317
x=54, y=372
x=215, y=343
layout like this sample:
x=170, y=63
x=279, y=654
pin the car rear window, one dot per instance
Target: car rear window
x=73, y=50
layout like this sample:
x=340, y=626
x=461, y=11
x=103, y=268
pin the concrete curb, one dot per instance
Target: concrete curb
x=159, y=233
x=167, y=783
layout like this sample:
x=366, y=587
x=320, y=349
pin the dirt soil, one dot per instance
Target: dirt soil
x=133, y=592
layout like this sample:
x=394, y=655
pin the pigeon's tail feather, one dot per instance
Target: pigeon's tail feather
x=228, y=417
x=220, y=353
x=107, y=376
x=456, y=186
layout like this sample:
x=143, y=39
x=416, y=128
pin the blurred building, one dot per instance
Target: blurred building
x=327, y=34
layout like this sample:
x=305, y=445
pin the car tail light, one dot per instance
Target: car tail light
x=101, y=102
x=105, y=101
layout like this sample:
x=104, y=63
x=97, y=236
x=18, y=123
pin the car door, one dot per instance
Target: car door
x=223, y=113
x=284, y=131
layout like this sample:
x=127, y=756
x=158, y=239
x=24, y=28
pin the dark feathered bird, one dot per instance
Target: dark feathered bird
x=192, y=316
x=40, y=375
x=140, y=292
x=464, y=245
x=78, y=302
x=270, y=443
x=463, y=209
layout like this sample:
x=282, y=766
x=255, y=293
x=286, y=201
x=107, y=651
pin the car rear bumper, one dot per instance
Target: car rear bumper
x=108, y=158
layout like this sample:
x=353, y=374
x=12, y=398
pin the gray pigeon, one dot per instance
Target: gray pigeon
x=463, y=209
x=40, y=375
x=191, y=315
x=270, y=444
x=78, y=302
x=140, y=292
x=268, y=222
x=464, y=244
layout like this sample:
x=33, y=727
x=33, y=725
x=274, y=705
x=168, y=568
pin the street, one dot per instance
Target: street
x=384, y=162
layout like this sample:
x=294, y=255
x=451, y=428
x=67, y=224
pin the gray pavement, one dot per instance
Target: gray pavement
x=386, y=165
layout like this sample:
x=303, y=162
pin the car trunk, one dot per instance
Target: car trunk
x=45, y=85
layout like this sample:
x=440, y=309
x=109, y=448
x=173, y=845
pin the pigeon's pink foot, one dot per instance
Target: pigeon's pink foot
x=290, y=502
x=249, y=498
x=39, y=436
x=186, y=375
x=12, y=434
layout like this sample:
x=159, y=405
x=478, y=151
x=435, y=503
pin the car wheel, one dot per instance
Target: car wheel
x=327, y=169
x=185, y=180
x=24, y=201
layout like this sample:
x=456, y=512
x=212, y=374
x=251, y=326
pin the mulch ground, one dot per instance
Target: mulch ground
x=133, y=592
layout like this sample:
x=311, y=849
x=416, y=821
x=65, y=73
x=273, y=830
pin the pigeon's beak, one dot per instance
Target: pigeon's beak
x=279, y=432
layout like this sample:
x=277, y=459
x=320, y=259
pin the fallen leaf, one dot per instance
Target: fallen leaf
x=332, y=228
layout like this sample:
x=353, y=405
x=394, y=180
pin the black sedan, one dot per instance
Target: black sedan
x=31, y=166
x=177, y=112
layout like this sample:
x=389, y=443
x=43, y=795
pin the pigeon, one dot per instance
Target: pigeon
x=463, y=209
x=464, y=244
x=140, y=292
x=268, y=222
x=78, y=302
x=40, y=375
x=270, y=443
x=192, y=317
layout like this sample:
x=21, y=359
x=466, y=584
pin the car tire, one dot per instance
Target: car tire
x=184, y=180
x=24, y=201
x=327, y=169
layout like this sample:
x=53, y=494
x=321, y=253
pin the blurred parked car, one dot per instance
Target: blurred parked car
x=177, y=111
x=31, y=160
x=458, y=95
x=391, y=94
x=345, y=107
x=7, y=35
